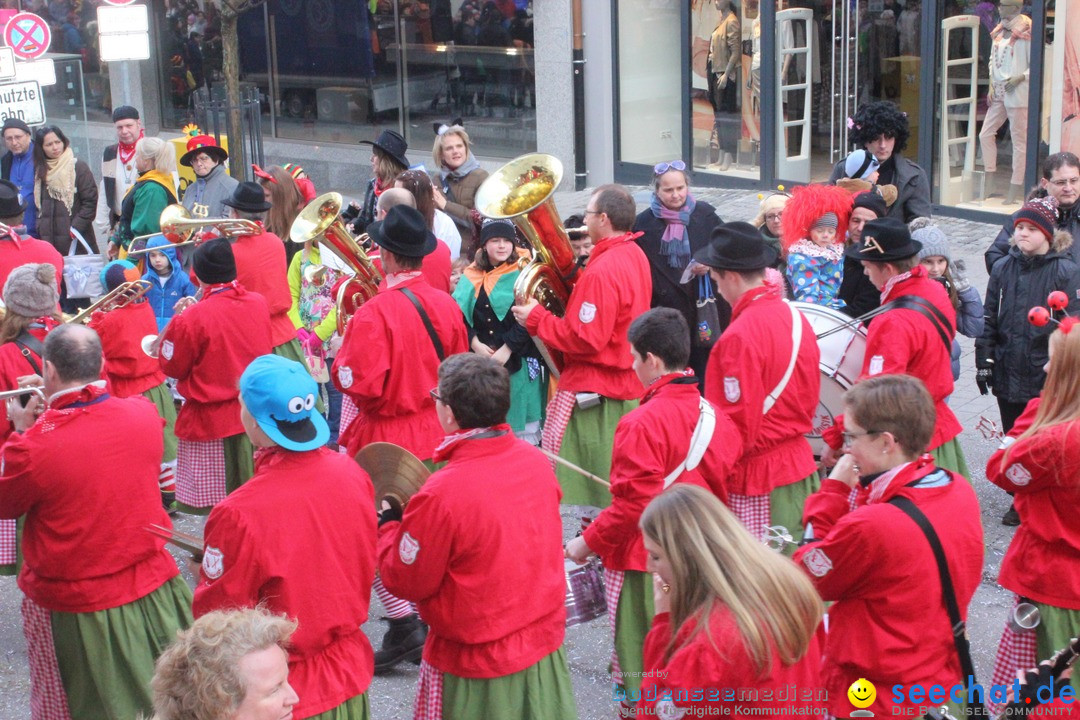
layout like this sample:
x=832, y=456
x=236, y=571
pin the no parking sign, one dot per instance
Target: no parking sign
x=27, y=35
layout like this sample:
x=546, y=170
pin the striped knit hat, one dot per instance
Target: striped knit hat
x=1040, y=212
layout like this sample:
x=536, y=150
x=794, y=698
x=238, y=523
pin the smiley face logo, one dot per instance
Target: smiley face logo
x=862, y=693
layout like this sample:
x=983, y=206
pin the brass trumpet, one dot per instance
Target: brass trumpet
x=10, y=394
x=178, y=226
x=118, y=297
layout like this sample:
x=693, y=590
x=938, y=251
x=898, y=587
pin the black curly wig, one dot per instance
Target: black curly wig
x=880, y=118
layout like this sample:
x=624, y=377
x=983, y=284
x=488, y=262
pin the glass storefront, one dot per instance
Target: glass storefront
x=342, y=71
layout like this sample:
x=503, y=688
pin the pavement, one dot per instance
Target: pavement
x=588, y=645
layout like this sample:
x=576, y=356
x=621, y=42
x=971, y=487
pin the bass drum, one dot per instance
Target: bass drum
x=842, y=353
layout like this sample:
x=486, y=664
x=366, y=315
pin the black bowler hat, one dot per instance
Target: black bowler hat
x=10, y=202
x=214, y=262
x=391, y=143
x=248, y=197
x=884, y=240
x=737, y=246
x=403, y=232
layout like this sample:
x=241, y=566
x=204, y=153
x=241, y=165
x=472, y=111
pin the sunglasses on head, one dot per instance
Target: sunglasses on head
x=661, y=168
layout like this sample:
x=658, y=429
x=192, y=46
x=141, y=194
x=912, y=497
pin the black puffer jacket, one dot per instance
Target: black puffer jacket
x=1018, y=348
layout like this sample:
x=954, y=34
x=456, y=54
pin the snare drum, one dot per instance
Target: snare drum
x=584, y=592
x=841, y=363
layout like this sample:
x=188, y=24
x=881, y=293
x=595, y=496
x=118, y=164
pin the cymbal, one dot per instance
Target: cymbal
x=394, y=471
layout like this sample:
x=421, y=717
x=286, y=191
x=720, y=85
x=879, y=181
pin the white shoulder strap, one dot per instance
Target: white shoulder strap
x=796, y=341
x=699, y=441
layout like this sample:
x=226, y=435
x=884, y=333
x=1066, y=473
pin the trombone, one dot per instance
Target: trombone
x=118, y=297
x=179, y=227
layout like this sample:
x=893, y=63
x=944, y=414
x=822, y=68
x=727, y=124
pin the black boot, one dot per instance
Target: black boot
x=403, y=641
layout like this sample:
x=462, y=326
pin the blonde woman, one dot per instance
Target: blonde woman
x=155, y=160
x=730, y=613
x=460, y=176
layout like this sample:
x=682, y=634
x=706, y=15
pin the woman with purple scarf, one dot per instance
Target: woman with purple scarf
x=675, y=227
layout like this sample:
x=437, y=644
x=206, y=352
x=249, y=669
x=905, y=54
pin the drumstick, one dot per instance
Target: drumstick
x=575, y=468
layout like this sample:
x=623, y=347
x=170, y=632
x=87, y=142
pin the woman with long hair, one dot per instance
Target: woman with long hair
x=64, y=191
x=1039, y=463
x=730, y=612
x=286, y=202
x=419, y=184
x=387, y=162
x=155, y=190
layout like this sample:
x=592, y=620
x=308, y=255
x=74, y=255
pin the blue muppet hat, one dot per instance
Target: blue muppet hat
x=280, y=394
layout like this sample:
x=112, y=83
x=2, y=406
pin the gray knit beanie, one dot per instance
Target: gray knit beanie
x=934, y=242
x=31, y=291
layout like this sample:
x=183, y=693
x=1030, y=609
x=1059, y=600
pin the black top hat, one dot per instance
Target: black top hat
x=737, y=246
x=248, y=197
x=884, y=240
x=10, y=202
x=403, y=232
x=391, y=143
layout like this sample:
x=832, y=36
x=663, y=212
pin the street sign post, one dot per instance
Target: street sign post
x=7, y=63
x=24, y=101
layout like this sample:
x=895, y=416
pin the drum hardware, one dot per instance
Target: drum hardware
x=120, y=296
x=395, y=472
x=989, y=429
x=1025, y=617
x=853, y=322
x=585, y=599
x=778, y=537
x=582, y=471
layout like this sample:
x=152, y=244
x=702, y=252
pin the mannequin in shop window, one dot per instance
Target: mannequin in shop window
x=725, y=53
x=1010, y=56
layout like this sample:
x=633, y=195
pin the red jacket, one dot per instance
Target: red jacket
x=13, y=365
x=319, y=571
x=206, y=348
x=262, y=269
x=29, y=250
x=480, y=552
x=698, y=676
x=745, y=365
x=615, y=288
x=888, y=623
x=650, y=442
x=87, y=500
x=903, y=342
x=129, y=369
x=435, y=267
x=388, y=366
x=1043, y=473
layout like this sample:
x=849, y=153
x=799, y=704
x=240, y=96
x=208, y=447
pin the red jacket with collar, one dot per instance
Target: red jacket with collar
x=29, y=250
x=388, y=366
x=699, y=677
x=13, y=365
x=318, y=571
x=745, y=365
x=650, y=442
x=87, y=501
x=888, y=623
x=435, y=267
x=615, y=287
x=1043, y=473
x=903, y=342
x=129, y=369
x=262, y=269
x=479, y=551
x=206, y=348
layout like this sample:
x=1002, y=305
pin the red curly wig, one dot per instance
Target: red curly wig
x=807, y=204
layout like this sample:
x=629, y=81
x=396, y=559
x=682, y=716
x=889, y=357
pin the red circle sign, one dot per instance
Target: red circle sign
x=27, y=35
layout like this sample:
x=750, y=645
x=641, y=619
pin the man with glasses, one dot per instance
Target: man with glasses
x=1061, y=181
x=17, y=165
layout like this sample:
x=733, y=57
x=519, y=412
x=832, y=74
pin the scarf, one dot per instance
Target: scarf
x=833, y=253
x=488, y=279
x=1019, y=28
x=879, y=484
x=442, y=452
x=66, y=403
x=220, y=287
x=125, y=153
x=917, y=271
x=378, y=187
x=461, y=171
x=165, y=180
x=675, y=240
x=395, y=279
x=59, y=179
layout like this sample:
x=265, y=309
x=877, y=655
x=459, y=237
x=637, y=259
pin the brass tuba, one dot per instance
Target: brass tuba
x=321, y=221
x=521, y=191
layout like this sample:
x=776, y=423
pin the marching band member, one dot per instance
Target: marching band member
x=888, y=622
x=1039, y=463
x=914, y=340
x=497, y=623
x=325, y=500
x=652, y=449
x=16, y=247
x=388, y=364
x=436, y=264
x=206, y=347
x=103, y=597
x=261, y=268
x=764, y=381
x=130, y=371
x=30, y=299
x=597, y=385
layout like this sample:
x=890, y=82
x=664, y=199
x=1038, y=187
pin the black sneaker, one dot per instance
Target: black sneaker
x=1011, y=518
x=404, y=641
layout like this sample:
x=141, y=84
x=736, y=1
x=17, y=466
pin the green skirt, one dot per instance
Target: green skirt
x=106, y=658
x=526, y=399
x=587, y=443
x=633, y=620
x=786, y=507
x=539, y=692
x=950, y=456
x=1057, y=627
x=166, y=407
x=355, y=708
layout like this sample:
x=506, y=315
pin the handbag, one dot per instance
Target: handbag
x=82, y=273
x=708, y=317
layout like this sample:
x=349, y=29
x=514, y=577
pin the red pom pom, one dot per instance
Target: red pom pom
x=1058, y=300
x=1068, y=324
x=1039, y=316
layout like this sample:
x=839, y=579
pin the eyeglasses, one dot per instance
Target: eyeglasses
x=851, y=437
x=1071, y=182
x=594, y=212
x=434, y=393
x=774, y=217
x=661, y=168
